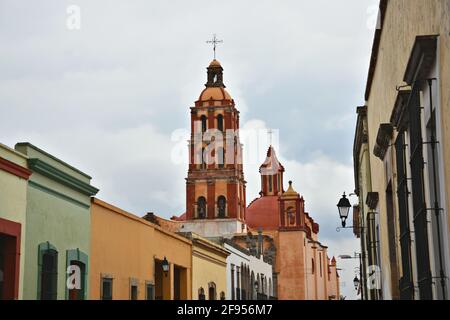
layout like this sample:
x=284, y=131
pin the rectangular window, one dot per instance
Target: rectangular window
x=320, y=263
x=107, y=288
x=49, y=275
x=133, y=292
x=150, y=291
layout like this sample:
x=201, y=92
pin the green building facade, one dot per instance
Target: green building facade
x=57, y=241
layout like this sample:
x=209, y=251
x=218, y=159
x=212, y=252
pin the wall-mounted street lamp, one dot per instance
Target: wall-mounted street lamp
x=165, y=266
x=356, y=283
x=344, y=208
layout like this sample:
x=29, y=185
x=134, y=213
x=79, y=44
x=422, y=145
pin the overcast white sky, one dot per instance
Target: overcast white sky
x=106, y=98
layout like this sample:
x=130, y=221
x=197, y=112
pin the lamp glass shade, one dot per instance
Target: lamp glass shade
x=344, y=207
x=165, y=265
x=356, y=283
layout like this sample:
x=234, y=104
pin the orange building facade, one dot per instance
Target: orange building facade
x=127, y=257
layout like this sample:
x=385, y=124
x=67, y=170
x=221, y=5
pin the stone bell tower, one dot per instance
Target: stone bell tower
x=215, y=185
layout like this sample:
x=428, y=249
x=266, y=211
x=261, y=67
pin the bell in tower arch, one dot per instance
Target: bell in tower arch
x=215, y=75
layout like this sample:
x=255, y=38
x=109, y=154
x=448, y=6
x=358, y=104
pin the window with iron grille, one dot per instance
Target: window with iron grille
x=406, y=281
x=418, y=192
x=49, y=275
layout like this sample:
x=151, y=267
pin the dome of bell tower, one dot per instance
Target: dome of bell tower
x=215, y=88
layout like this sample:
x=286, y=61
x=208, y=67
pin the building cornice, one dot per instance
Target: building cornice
x=376, y=47
x=14, y=169
x=361, y=137
x=29, y=145
x=41, y=167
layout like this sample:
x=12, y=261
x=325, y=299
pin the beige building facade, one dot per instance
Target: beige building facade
x=401, y=153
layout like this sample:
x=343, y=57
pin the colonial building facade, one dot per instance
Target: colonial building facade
x=14, y=175
x=401, y=152
x=57, y=235
x=135, y=259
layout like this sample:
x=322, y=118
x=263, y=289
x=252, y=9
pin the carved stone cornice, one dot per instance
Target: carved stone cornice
x=399, y=113
x=384, y=136
x=372, y=200
x=361, y=137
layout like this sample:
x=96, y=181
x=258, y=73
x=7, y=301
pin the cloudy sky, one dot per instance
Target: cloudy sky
x=112, y=97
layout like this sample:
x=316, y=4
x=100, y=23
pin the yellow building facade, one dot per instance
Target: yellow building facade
x=14, y=175
x=209, y=267
x=402, y=147
x=129, y=256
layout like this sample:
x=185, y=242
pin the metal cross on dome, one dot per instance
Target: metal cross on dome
x=214, y=42
x=269, y=133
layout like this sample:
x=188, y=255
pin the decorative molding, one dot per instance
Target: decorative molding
x=22, y=146
x=384, y=136
x=55, y=174
x=372, y=200
x=14, y=169
x=421, y=59
x=375, y=48
x=361, y=137
x=58, y=194
x=399, y=113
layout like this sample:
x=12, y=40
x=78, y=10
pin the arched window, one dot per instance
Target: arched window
x=222, y=295
x=204, y=126
x=201, y=294
x=203, y=159
x=222, y=206
x=270, y=183
x=291, y=216
x=201, y=208
x=220, y=122
x=221, y=157
x=312, y=266
x=212, y=291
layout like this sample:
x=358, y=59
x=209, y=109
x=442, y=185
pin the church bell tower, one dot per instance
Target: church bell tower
x=215, y=185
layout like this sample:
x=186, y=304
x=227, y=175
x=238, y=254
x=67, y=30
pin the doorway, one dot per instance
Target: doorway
x=9, y=259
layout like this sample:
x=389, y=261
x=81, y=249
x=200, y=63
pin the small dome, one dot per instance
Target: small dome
x=263, y=213
x=290, y=191
x=215, y=63
x=214, y=93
